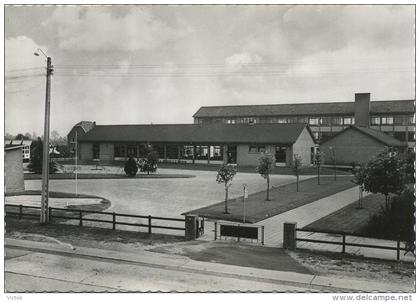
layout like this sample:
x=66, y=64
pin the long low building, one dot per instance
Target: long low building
x=240, y=144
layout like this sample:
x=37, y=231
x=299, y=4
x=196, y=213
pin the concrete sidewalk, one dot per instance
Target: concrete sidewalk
x=306, y=214
x=180, y=263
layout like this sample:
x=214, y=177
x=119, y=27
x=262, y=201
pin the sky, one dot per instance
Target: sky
x=159, y=64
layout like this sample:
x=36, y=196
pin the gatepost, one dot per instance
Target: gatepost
x=289, y=235
x=191, y=227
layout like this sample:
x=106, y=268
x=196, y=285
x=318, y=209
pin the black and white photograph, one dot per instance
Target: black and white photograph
x=203, y=148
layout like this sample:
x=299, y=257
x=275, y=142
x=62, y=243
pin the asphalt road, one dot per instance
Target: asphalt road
x=32, y=271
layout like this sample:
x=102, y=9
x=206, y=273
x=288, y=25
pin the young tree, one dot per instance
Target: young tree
x=385, y=174
x=35, y=164
x=265, y=166
x=318, y=162
x=297, y=167
x=359, y=179
x=148, y=163
x=225, y=175
x=130, y=167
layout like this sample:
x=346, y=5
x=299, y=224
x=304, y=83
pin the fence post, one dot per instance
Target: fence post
x=398, y=249
x=150, y=225
x=80, y=218
x=289, y=235
x=215, y=230
x=190, y=227
x=49, y=214
x=113, y=220
x=344, y=243
x=262, y=235
x=20, y=211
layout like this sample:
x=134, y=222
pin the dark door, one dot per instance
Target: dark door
x=231, y=154
x=281, y=154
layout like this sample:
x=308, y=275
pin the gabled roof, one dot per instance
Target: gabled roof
x=375, y=134
x=342, y=108
x=197, y=133
x=85, y=125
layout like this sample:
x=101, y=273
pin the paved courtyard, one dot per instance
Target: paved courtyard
x=163, y=197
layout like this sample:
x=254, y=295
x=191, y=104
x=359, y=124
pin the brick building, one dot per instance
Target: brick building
x=357, y=145
x=394, y=117
x=240, y=144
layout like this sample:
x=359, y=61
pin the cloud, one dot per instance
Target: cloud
x=19, y=54
x=97, y=29
x=239, y=60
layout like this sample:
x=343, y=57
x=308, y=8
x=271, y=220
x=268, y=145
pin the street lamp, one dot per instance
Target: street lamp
x=333, y=158
x=44, y=217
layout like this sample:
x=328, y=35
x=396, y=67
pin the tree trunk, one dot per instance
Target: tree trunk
x=297, y=183
x=386, y=202
x=226, y=199
x=268, y=187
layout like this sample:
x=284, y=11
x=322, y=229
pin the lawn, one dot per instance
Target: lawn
x=350, y=219
x=282, y=199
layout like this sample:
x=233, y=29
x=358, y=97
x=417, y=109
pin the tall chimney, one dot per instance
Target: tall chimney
x=362, y=109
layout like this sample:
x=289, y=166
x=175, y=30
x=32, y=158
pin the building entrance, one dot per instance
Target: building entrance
x=231, y=154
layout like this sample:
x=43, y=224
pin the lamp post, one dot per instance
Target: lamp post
x=46, y=149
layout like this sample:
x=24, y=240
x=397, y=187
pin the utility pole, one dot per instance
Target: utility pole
x=46, y=151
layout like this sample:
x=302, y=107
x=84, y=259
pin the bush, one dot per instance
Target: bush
x=35, y=164
x=130, y=167
x=150, y=160
x=396, y=222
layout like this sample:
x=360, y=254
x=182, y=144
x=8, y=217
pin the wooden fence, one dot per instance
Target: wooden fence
x=60, y=213
x=398, y=248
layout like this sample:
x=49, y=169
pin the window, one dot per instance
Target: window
x=325, y=121
x=119, y=150
x=337, y=121
x=95, y=151
x=282, y=120
x=375, y=120
x=252, y=149
x=231, y=121
x=348, y=120
x=399, y=120
x=316, y=135
x=292, y=119
x=256, y=149
x=313, y=121
x=411, y=119
x=411, y=137
x=131, y=150
x=387, y=120
x=303, y=120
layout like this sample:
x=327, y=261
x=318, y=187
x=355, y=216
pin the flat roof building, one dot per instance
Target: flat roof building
x=240, y=144
x=394, y=117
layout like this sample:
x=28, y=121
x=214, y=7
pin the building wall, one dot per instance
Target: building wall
x=71, y=137
x=85, y=151
x=245, y=158
x=302, y=147
x=106, y=151
x=14, y=171
x=351, y=146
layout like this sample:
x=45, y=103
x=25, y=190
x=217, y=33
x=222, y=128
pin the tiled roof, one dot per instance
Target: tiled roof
x=196, y=133
x=379, y=107
x=86, y=125
x=375, y=134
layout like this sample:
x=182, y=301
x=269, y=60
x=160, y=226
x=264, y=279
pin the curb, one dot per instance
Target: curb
x=182, y=263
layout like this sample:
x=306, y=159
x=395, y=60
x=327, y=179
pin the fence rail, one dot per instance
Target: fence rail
x=54, y=213
x=345, y=243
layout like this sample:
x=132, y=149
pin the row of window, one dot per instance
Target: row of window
x=401, y=136
x=256, y=149
x=320, y=121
